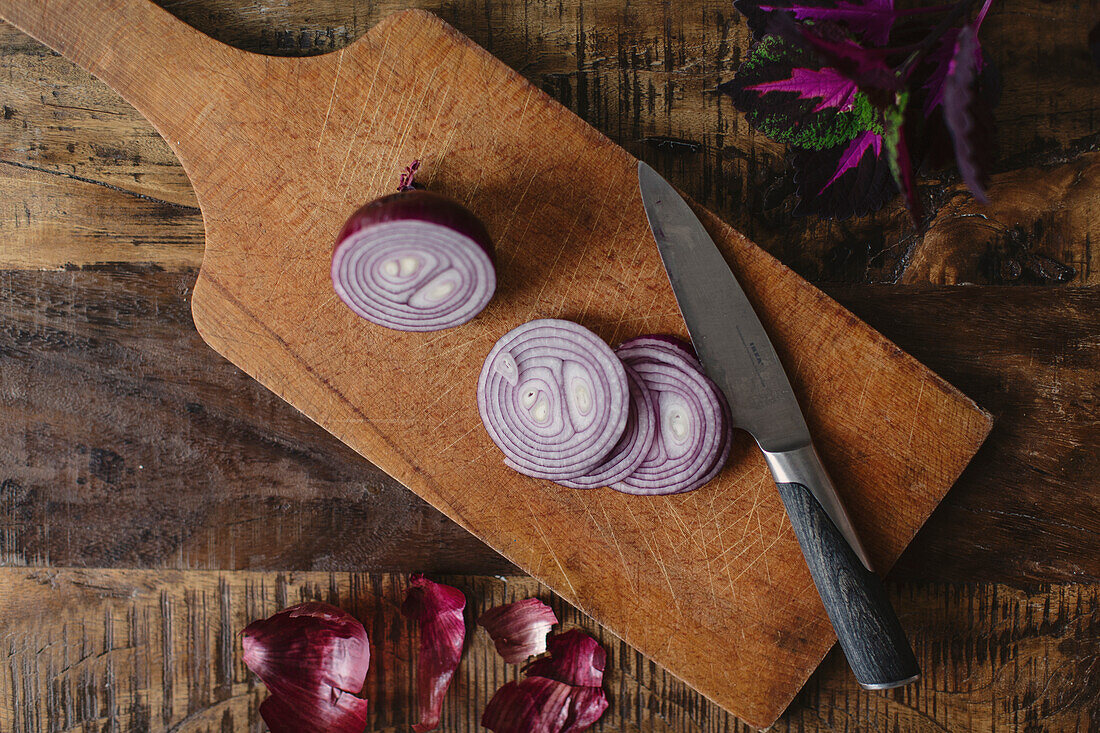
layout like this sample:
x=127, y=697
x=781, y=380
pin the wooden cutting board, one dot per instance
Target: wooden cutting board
x=710, y=584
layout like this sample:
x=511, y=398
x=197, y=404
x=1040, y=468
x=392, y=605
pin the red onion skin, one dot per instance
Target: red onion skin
x=437, y=610
x=575, y=659
x=427, y=206
x=519, y=629
x=344, y=713
x=541, y=705
x=313, y=658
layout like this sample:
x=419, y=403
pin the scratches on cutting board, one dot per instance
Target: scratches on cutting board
x=618, y=548
x=658, y=559
x=550, y=547
x=916, y=412
x=363, y=109
x=335, y=83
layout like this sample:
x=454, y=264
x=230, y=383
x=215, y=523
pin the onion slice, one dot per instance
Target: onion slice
x=414, y=261
x=632, y=448
x=692, y=434
x=554, y=398
x=519, y=629
x=437, y=610
x=668, y=343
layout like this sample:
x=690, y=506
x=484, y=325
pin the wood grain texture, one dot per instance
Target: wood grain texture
x=148, y=412
x=867, y=627
x=57, y=221
x=264, y=301
x=609, y=61
x=158, y=651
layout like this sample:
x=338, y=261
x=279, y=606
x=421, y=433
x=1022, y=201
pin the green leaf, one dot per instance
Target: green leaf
x=787, y=116
x=897, y=155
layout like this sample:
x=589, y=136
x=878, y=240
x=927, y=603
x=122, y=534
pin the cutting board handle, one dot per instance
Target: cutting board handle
x=159, y=64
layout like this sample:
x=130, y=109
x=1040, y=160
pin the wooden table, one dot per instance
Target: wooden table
x=153, y=498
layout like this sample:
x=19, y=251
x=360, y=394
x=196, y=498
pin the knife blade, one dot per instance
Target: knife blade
x=738, y=355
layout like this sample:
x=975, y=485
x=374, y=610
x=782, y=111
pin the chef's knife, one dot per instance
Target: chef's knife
x=737, y=354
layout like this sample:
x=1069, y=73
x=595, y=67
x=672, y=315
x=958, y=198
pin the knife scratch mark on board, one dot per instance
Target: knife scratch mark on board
x=399, y=142
x=862, y=395
x=431, y=128
x=764, y=552
x=618, y=547
x=363, y=109
x=387, y=162
x=565, y=241
x=654, y=552
x=553, y=554
x=612, y=241
x=370, y=135
x=501, y=237
x=452, y=444
x=629, y=296
x=755, y=502
x=611, y=186
x=335, y=83
x=916, y=412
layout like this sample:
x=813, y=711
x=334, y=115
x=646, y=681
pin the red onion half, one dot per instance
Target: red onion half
x=693, y=428
x=553, y=397
x=414, y=261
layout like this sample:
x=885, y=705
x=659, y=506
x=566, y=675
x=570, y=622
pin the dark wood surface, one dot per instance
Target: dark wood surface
x=145, y=650
x=129, y=443
x=125, y=442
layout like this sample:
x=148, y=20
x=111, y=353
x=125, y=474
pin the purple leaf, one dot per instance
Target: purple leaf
x=959, y=102
x=780, y=90
x=757, y=15
x=897, y=155
x=827, y=84
x=902, y=164
x=867, y=67
x=849, y=180
x=871, y=19
x=853, y=154
x=940, y=60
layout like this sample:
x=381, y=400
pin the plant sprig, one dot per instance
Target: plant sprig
x=857, y=112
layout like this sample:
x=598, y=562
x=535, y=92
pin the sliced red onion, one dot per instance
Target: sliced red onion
x=727, y=438
x=670, y=343
x=437, y=610
x=632, y=448
x=553, y=397
x=519, y=629
x=691, y=420
x=414, y=261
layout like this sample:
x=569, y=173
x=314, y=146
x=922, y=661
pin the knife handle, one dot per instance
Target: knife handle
x=866, y=625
